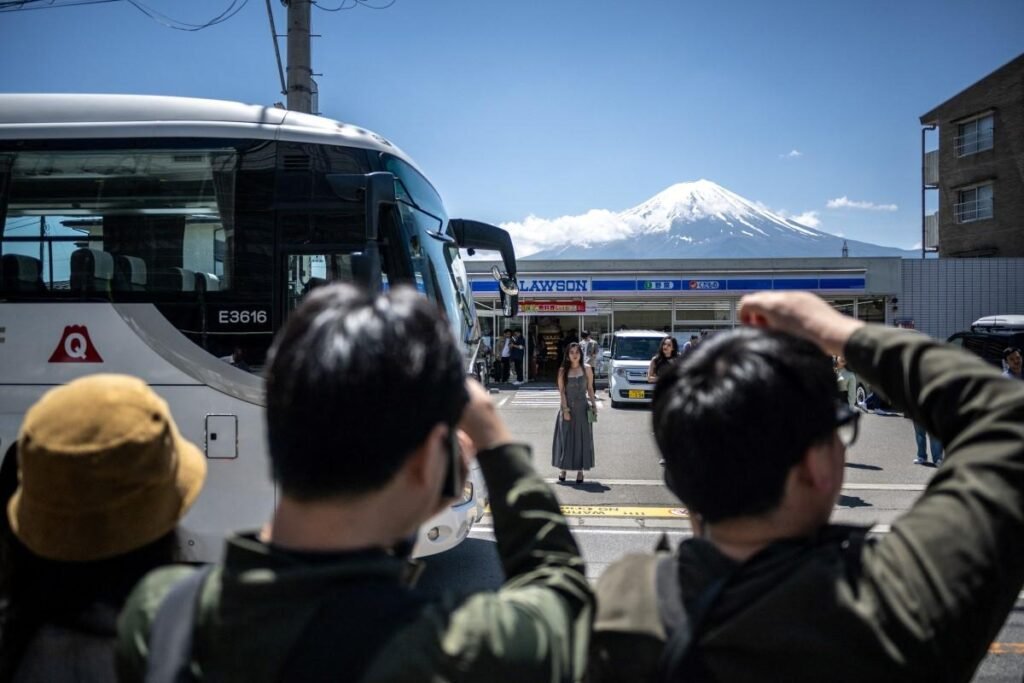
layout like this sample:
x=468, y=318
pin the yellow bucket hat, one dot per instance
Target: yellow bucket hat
x=102, y=470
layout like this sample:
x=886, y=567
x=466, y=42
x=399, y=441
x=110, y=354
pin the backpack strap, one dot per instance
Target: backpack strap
x=683, y=622
x=170, y=634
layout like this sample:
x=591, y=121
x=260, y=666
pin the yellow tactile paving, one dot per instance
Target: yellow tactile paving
x=645, y=511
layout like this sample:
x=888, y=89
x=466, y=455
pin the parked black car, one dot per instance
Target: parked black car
x=989, y=336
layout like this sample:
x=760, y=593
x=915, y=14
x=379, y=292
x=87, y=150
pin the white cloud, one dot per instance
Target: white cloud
x=597, y=225
x=845, y=202
x=808, y=218
x=791, y=154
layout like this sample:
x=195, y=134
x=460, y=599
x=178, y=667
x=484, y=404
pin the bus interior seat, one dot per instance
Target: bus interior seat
x=22, y=273
x=92, y=271
x=131, y=274
x=207, y=282
x=186, y=278
x=174, y=280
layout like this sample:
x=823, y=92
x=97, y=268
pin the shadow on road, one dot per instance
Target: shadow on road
x=852, y=502
x=860, y=466
x=588, y=486
x=470, y=567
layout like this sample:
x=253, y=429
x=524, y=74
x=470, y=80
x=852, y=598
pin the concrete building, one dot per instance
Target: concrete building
x=977, y=170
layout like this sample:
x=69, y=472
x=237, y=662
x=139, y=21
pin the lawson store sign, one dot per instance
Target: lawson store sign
x=598, y=286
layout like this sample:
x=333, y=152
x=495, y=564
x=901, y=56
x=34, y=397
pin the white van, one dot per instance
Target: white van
x=628, y=361
x=605, y=344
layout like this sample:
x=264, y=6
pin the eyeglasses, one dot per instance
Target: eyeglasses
x=847, y=424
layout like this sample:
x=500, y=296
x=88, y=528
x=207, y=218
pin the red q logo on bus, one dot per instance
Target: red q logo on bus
x=75, y=347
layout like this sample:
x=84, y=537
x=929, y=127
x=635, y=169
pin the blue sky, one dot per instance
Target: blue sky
x=556, y=107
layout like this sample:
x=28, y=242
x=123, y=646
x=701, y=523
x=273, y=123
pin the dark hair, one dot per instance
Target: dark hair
x=735, y=415
x=584, y=333
x=660, y=359
x=1009, y=351
x=356, y=382
x=563, y=369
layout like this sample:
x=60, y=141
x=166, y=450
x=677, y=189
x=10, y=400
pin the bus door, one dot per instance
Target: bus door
x=304, y=270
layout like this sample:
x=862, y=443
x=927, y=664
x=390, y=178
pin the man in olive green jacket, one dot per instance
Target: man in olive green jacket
x=363, y=397
x=755, y=446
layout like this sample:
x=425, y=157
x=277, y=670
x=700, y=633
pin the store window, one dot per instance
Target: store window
x=844, y=306
x=871, y=310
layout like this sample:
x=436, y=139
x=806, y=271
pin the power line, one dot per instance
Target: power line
x=355, y=3
x=277, y=49
x=20, y=5
x=232, y=9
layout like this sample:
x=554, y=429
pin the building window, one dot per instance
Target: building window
x=974, y=136
x=973, y=203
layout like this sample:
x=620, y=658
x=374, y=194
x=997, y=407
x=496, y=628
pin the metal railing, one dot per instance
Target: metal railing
x=931, y=231
x=972, y=143
x=931, y=168
x=977, y=210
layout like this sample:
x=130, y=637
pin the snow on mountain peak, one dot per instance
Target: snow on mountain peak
x=698, y=219
x=697, y=201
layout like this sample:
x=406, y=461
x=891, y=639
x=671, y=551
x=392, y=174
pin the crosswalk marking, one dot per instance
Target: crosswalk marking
x=537, y=398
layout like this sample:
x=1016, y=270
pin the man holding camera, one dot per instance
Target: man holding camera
x=364, y=397
x=755, y=441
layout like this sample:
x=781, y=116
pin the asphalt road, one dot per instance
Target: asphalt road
x=623, y=505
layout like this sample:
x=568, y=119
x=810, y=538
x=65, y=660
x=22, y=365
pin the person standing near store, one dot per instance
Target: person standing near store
x=846, y=382
x=573, y=445
x=588, y=347
x=1012, y=359
x=668, y=353
x=505, y=354
x=517, y=351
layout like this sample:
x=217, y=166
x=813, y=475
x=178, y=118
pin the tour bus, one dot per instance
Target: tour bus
x=169, y=238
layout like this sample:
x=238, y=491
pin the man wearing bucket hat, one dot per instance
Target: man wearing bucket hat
x=365, y=393
x=103, y=477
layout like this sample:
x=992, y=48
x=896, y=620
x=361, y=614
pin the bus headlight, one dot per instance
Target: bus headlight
x=620, y=372
x=467, y=493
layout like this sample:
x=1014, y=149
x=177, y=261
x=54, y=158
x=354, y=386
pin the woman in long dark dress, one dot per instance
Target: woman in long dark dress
x=668, y=353
x=573, y=444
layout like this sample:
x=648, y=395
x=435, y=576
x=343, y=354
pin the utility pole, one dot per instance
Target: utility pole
x=300, y=68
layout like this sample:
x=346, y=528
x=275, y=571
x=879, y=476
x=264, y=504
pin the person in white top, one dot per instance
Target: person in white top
x=588, y=347
x=505, y=353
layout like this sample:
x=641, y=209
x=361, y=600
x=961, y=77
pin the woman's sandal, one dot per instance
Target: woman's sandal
x=579, y=478
x=561, y=477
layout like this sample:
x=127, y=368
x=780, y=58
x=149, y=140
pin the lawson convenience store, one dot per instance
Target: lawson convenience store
x=682, y=297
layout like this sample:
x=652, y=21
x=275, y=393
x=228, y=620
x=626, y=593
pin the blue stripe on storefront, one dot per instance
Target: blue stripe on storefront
x=683, y=286
x=842, y=283
x=613, y=285
x=796, y=283
x=748, y=285
x=484, y=286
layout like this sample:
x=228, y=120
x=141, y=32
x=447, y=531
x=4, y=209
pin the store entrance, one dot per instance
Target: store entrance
x=549, y=335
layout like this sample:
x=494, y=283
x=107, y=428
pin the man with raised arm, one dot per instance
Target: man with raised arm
x=754, y=442
x=364, y=393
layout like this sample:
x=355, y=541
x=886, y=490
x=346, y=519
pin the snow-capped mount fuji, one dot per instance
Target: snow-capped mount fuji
x=700, y=220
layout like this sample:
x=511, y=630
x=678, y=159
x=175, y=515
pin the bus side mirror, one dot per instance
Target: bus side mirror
x=508, y=289
x=377, y=190
x=380, y=192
